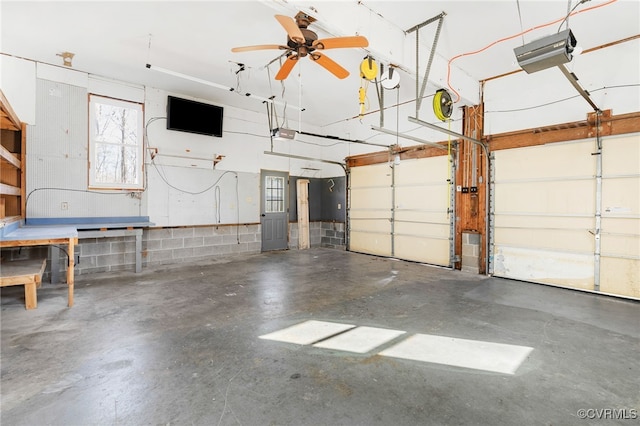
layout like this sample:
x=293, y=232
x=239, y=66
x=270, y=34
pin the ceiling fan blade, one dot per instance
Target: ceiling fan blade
x=338, y=42
x=287, y=67
x=291, y=28
x=259, y=47
x=329, y=64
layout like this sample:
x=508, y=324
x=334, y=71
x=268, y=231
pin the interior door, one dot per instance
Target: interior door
x=274, y=211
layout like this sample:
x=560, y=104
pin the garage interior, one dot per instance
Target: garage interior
x=355, y=212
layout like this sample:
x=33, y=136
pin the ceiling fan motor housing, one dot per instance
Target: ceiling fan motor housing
x=307, y=46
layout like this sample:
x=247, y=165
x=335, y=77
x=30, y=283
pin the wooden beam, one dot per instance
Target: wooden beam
x=9, y=157
x=9, y=119
x=609, y=125
x=9, y=190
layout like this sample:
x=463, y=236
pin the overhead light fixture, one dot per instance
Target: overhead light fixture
x=546, y=52
x=283, y=133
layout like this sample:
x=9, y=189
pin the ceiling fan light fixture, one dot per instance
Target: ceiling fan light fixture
x=302, y=42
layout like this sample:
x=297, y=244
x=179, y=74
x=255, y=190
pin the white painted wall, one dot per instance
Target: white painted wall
x=522, y=101
x=182, y=187
x=18, y=83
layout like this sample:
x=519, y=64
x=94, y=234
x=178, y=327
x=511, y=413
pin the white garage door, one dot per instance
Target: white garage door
x=544, y=214
x=370, y=201
x=418, y=229
x=421, y=225
x=620, y=241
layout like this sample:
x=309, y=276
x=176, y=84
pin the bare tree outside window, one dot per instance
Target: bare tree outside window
x=116, y=142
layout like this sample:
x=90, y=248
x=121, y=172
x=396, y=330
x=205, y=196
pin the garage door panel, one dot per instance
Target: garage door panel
x=371, y=198
x=566, y=197
x=370, y=214
x=557, y=161
x=419, y=249
x=621, y=155
x=628, y=226
x=586, y=223
x=422, y=216
x=546, y=239
x=425, y=231
x=620, y=276
x=621, y=196
x=422, y=197
x=373, y=175
x=421, y=229
x=620, y=245
x=422, y=171
x=370, y=202
x=370, y=243
x=371, y=225
x=545, y=266
x=544, y=214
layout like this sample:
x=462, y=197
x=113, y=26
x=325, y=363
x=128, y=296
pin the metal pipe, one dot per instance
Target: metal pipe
x=217, y=86
x=299, y=157
x=413, y=138
x=341, y=139
x=447, y=131
x=574, y=82
x=598, y=206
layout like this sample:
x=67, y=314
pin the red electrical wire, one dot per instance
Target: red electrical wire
x=514, y=36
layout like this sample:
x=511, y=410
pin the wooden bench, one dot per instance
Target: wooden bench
x=24, y=272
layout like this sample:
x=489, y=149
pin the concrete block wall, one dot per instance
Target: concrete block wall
x=315, y=230
x=471, y=252
x=162, y=246
x=102, y=255
x=175, y=245
x=333, y=235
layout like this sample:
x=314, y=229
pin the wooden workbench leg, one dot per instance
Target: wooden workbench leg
x=139, y=251
x=30, y=296
x=70, y=269
x=54, y=254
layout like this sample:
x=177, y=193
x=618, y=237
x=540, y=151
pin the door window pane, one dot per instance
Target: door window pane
x=274, y=194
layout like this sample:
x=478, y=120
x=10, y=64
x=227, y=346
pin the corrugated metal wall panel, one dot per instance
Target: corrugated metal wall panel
x=57, y=148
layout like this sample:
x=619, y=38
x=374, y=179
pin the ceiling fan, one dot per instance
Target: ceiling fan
x=301, y=42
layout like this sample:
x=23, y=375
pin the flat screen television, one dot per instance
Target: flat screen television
x=185, y=115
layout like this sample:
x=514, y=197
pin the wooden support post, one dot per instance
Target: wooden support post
x=70, y=268
x=303, y=213
x=30, y=296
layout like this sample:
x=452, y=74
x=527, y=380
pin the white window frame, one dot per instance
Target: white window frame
x=94, y=142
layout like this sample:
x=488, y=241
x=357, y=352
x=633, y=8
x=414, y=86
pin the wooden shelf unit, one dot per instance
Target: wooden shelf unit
x=13, y=135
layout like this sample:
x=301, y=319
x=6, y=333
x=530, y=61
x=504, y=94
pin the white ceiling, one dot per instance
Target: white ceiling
x=117, y=40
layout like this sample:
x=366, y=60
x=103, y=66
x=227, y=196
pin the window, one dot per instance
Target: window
x=274, y=194
x=115, y=143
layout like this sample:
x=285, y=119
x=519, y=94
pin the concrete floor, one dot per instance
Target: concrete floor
x=179, y=345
